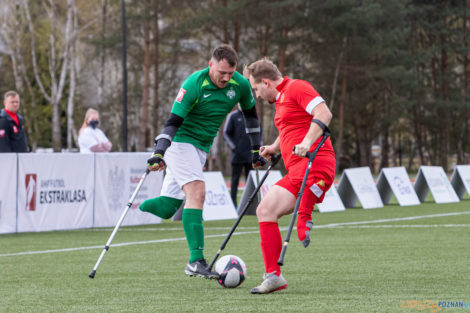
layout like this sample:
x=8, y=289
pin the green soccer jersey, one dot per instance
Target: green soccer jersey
x=204, y=106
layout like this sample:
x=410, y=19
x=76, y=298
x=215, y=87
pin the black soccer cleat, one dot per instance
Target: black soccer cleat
x=199, y=268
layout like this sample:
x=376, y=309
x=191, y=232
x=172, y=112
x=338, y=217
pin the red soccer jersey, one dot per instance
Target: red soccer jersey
x=294, y=105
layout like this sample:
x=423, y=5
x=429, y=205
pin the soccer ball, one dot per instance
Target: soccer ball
x=231, y=270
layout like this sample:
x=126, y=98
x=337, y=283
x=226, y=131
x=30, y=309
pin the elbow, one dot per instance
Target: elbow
x=328, y=117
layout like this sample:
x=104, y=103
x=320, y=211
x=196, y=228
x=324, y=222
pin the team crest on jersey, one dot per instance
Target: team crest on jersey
x=180, y=95
x=2, y=133
x=231, y=93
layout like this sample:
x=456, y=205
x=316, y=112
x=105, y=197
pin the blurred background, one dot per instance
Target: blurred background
x=394, y=73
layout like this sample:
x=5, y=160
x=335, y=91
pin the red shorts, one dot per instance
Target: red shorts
x=320, y=178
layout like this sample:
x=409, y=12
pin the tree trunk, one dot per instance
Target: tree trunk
x=335, y=79
x=72, y=83
x=282, y=50
x=142, y=142
x=156, y=64
x=442, y=113
x=339, y=140
x=236, y=34
x=104, y=8
x=57, y=86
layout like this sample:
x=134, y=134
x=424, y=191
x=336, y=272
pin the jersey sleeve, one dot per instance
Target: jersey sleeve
x=305, y=95
x=186, y=98
x=247, y=101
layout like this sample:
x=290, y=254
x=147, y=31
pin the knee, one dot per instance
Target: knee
x=200, y=196
x=263, y=213
x=196, y=198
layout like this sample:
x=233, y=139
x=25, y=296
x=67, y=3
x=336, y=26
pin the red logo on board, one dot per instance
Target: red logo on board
x=30, y=182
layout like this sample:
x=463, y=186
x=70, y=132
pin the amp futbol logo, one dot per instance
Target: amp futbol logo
x=30, y=184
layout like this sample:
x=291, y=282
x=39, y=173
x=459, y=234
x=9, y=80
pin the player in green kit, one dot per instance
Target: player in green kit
x=202, y=103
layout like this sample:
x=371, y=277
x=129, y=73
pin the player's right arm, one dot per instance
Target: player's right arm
x=184, y=101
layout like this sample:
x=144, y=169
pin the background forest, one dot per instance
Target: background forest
x=394, y=73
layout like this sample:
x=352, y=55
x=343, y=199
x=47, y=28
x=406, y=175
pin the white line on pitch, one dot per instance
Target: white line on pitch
x=406, y=226
x=166, y=228
x=236, y=233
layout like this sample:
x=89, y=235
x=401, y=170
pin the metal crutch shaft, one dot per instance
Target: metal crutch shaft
x=108, y=243
x=274, y=161
x=311, y=157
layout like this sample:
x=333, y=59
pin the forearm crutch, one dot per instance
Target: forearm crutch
x=129, y=204
x=311, y=157
x=274, y=161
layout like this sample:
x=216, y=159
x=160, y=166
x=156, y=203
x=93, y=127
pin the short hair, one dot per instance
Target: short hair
x=225, y=52
x=263, y=68
x=10, y=93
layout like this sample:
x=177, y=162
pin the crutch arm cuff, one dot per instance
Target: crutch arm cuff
x=322, y=125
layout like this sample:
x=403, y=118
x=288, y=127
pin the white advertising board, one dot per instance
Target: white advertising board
x=395, y=180
x=331, y=202
x=435, y=179
x=218, y=205
x=117, y=176
x=358, y=183
x=460, y=180
x=250, y=186
x=8, y=176
x=55, y=191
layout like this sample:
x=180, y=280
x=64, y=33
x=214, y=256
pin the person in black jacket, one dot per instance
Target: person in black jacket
x=12, y=133
x=237, y=139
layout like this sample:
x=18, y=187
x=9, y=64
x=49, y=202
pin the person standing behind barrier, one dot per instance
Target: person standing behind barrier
x=203, y=102
x=90, y=137
x=12, y=133
x=301, y=118
x=238, y=141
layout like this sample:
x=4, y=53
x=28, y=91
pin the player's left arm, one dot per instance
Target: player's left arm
x=320, y=112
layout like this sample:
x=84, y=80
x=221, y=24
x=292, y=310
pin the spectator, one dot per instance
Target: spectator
x=90, y=137
x=12, y=133
x=236, y=137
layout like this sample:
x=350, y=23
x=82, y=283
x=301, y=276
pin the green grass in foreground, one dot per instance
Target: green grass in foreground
x=370, y=267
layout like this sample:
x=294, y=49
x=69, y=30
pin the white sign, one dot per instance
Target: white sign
x=55, y=191
x=358, y=183
x=218, y=205
x=331, y=202
x=8, y=170
x=460, y=180
x=435, y=179
x=250, y=186
x=117, y=176
x=395, y=180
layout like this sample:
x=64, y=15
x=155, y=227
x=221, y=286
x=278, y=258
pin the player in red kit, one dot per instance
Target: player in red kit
x=300, y=115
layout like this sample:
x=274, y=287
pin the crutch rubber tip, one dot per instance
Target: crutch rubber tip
x=280, y=263
x=92, y=274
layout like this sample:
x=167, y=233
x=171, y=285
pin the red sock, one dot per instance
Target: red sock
x=305, y=213
x=271, y=245
x=302, y=220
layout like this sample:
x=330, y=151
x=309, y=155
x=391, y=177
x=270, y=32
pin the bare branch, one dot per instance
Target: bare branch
x=33, y=53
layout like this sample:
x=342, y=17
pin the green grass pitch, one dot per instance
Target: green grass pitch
x=355, y=267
